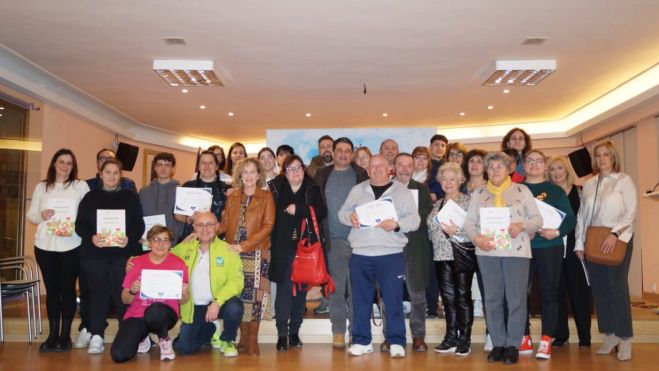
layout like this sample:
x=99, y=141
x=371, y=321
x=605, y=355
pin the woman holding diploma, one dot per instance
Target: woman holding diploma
x=145, y=314
x=547, y=250
x=247, y=222
x=53, y=208
x=295, y=193
x=502, y=217
x=455, y=264
x=207, y=177
x=110, y=224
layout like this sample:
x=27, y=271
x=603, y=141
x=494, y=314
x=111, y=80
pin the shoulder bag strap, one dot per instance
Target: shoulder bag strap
x=592, y=211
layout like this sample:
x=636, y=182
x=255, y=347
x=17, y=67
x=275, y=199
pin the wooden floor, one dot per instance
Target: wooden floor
x=317, y=357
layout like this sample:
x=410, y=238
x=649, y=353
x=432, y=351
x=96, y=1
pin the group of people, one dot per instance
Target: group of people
x=236, y=259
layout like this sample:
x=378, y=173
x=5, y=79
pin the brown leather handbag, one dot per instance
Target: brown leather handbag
x=595, y=237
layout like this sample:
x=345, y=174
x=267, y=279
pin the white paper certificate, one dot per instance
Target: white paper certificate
x=111, y=225
x=415, y=195
x=494, y=223
x=373, y=213
x=149, y=222
x=451, y=211
x=189, y=200
x=62, y=223
x=161, y=284
x=551, y=216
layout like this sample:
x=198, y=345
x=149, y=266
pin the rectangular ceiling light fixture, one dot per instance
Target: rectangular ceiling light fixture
x=520, y=73
x=187, y=72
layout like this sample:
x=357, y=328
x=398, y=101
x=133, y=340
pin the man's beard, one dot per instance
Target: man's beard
x=327, y=157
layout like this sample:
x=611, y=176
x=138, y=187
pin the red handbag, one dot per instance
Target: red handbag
x=309, y=266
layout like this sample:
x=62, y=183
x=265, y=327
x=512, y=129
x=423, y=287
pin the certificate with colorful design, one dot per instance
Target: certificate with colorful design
x=63, y=222
x=111, y=225
x=494, y=223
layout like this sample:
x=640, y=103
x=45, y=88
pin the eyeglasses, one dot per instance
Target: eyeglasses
x=161, y=240
x=293, y=169
x=456, y=155
x=533, y=162
x=207, y=225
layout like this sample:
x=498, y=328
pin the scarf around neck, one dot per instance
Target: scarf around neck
x=497, y=191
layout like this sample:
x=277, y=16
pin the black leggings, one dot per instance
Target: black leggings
x=158, y=318
x=59, y=271
x=104, y=276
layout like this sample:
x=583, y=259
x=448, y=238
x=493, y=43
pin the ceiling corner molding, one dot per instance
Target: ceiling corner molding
x=26, y=77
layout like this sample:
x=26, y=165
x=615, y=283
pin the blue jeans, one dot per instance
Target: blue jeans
x=194, y=335
x=388, y=272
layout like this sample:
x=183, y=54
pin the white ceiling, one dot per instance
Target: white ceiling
x=423, y=61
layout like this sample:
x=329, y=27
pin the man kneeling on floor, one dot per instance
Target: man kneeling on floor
x=216, y=282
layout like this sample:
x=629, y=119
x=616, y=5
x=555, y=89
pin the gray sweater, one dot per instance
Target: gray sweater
x=376, y=241
x=522, y=206
x=158, y=199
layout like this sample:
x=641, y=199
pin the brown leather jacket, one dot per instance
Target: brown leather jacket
x=259, y=219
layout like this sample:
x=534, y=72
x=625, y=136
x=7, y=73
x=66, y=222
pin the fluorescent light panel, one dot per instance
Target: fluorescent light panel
x=187, y=72
x=520, y=72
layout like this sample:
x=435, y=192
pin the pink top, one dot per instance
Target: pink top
x=138, y=306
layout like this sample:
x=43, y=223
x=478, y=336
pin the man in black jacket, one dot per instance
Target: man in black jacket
x=335, y=182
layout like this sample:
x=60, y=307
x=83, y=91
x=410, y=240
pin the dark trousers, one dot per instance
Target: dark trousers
x=387, y=271
x=105, y=277
x=573, y=284
x=158, y=318
x=194, y=335
x=83, y=286
x=611, y=296
x=455, y=289
x=547, y=263
x=59, y=271
x=432, y=292
x=289, y=308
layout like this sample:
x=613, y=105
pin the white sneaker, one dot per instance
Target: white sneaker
x=145, y=345
x=396, y=351
x=82, y=341
x=166, y=350
x=359, y=349
x=96, y=345
x=488, y=344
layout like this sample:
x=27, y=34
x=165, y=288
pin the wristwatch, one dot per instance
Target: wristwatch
x=397, y=229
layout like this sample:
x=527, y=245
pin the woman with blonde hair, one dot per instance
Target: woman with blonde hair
x=609, y=199
x=573, y=280
x=247, y=223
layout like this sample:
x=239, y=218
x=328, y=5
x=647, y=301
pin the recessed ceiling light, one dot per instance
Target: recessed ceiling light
x=385, y=115
x=307, y=114
x=230, y=114
x=0, y=114
x=520, y=72
x=202, y=107
x=462, y=113
x=506, y=91
x=187, y=72
x=184, y=91
x=2, y=107
x=490, y=107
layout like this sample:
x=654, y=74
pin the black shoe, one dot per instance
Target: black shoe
x=496, y=355
x=384, y=347
x=48, y=345
x=511, y=355
x=584, y=344
x=463, y=348
x=559, y=343
x=294, y=341
x=282, y=344
x=447, y=346
x=63, y=344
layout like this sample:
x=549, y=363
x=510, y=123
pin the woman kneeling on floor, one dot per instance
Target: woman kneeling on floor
x=146, y=315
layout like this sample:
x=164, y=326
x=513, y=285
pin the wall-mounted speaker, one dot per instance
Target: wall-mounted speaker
x=127, y=154
x=581, y=162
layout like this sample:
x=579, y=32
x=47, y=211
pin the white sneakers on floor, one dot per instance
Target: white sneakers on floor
x=144, y=346
x=166, y=350
x=488, y=344
x=359, y=349
x=396, y=351
x=96, y=345
x=82, y=341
